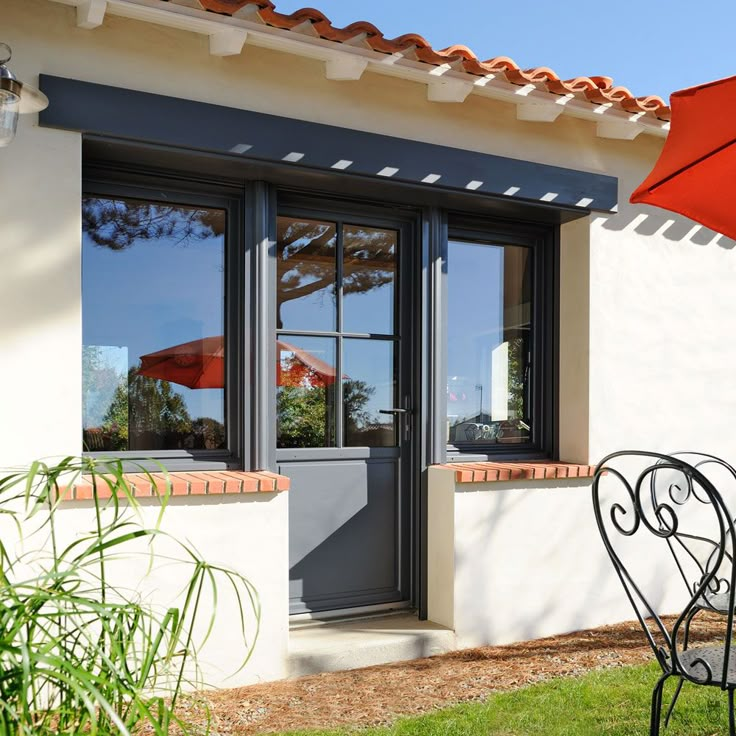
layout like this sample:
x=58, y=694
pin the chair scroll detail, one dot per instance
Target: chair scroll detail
x=644, y=501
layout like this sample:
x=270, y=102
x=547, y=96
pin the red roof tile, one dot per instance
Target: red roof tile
x=598, y=90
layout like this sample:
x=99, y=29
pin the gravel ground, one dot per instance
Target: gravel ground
x=378, y=695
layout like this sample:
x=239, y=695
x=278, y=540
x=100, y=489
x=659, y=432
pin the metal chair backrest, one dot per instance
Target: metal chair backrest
x=723, y=476
x=644, y=500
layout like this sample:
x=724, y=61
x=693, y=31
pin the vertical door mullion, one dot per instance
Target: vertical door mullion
x=237, y=315
x=261, y=214
x=339, y=411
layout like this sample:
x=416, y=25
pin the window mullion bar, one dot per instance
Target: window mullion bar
x=263, y=325
x=338, y=392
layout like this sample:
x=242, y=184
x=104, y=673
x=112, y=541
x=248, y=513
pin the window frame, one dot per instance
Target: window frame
x=543, y=241
x=305, y=203
x=110, y=183
x=254, y=203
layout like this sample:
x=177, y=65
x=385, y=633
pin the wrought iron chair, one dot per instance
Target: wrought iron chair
x=715, y=598
x=642, y=499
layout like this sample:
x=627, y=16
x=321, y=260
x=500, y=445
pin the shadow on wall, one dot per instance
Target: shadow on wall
x=650, y=221
x=522, y=575
x=40, y=234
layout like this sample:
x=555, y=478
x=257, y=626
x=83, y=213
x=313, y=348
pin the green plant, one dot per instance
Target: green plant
x=78, y=652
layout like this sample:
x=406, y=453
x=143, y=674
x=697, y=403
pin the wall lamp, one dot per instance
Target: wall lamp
x=15, y=98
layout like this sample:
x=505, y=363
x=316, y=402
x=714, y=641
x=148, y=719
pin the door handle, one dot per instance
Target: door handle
x=394, y=411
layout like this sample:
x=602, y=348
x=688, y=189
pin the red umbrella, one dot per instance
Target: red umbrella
x=695, y=174
x=201, y=363
x=196, y=364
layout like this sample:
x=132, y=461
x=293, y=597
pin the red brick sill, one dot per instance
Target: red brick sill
x=204, y=483
x=489, y=472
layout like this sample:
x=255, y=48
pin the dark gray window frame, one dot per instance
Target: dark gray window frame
x=107, y=163
x=106, y=182
x=407, y=223
x=256, y=444
x=543, y=241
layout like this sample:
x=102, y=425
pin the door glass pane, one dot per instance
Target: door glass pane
x=305, y=393
x=489, y=343
x=369, y=385
x=153, y=315
x=369, y=277
x=307, y=273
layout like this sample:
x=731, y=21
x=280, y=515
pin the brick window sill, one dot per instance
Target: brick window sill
x=490, y=472
x=207, y=483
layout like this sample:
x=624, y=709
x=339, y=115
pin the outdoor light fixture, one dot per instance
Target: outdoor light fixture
x=15, y=98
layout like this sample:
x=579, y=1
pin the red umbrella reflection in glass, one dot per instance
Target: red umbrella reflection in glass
x=201, y=363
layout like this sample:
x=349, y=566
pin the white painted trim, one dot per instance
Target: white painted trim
x=91, y=13
x=228, y=42
x=187, y=18
x=449, y=90
x=345, y=67
x=535, y=113
x=616, y=130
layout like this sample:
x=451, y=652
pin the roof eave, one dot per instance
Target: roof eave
x=229, y=34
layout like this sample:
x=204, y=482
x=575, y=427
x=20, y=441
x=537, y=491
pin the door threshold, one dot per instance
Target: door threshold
x=316, y=618
x=364, y=641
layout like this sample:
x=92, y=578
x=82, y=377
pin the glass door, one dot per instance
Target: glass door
x=343, y=408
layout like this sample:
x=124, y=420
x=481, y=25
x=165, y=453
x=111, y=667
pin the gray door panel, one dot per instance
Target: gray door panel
x=343, y=518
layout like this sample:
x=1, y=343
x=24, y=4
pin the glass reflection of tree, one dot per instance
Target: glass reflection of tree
x=369, y=259
x=147, y=413
x=518, y=377
x=302, y=404
x=305, y=398
x=307, y=260
x=356, y=394
x=118, y=223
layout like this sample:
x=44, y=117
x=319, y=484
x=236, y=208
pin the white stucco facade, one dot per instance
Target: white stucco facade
x=646, y=304
x=247, y=534
x=512, y=563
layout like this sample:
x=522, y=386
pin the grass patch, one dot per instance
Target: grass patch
x=612, y=702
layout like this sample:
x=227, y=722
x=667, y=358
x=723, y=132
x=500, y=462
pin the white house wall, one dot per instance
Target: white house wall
x=647, y=304
x=522, y=562
x=247, y=534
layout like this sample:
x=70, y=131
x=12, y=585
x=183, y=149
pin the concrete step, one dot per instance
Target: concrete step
x=331, y=646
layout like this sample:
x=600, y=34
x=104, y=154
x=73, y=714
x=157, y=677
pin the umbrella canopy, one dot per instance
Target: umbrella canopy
x=201, y=363
x=196, y=364
x=695, y=175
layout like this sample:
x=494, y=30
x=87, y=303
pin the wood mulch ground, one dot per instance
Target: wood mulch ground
x=378, y=695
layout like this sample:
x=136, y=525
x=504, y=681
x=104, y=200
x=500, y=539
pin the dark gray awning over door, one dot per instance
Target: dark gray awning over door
x=129, y=114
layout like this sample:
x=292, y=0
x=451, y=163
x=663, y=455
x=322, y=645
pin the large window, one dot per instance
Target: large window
x=154, y=337
x=214, y=337
x=497, y=313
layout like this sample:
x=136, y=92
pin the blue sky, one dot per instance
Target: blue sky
x=649, y=46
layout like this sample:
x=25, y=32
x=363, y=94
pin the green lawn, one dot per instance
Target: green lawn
x=613, y=702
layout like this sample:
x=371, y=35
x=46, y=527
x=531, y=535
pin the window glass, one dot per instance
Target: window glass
x=335, y=280
x=369, y=390
x=489, y=344
x=305, y=393
x=153, y=306
x=369, y=276
x=307, y=274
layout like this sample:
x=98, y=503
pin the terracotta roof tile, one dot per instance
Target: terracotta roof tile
x=597, y=89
